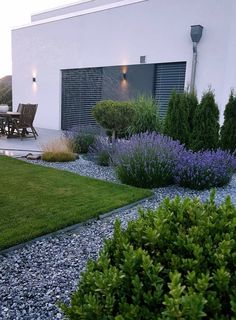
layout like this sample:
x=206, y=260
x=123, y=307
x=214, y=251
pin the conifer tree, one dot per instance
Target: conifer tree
x=192, y=102
x=176, y=122
x=228, y=130
x=206, y=124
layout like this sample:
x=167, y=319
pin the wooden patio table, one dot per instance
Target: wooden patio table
x=8, y=117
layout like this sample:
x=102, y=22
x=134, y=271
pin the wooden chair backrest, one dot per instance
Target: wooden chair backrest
x=27, y=115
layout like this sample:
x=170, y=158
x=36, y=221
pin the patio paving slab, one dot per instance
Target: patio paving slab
x=16, y=147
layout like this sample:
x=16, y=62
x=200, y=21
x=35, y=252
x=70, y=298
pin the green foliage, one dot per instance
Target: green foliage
x=6, y=91
x=206, y=124
x=103, y=158
x=177, y=124
x=146, y=116
x=59, y=156
x=114, y=115
x=177, y=262
x=82, y=141
x=192, y=104
x=228, y=130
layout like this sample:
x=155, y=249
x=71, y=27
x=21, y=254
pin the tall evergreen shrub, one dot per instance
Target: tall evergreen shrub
x=228, y=130
x=192, y=103
x=206, y=124
x=177, y=118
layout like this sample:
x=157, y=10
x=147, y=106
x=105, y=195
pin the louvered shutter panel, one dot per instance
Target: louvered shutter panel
x=81, y=90
x=168, y=77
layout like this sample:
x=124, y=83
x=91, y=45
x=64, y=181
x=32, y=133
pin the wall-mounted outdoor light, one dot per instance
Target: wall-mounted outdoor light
x=142, y=59
x=124, y=74
x=196, y=34
x=34, y=79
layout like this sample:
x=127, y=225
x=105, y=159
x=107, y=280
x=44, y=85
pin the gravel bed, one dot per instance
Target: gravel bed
x=81, y=166
x=33, y=279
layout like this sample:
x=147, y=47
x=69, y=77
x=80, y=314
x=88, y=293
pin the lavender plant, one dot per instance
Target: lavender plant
x=204, y=170
x=147, y=160
x=102, y=151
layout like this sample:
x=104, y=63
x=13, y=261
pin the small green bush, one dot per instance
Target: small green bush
x=206, y=126
x=101, y=151
x=114, y=115
x=83, y=141
x=58, y=156
x=228, y=130
x=146, y=117
x=177, y=262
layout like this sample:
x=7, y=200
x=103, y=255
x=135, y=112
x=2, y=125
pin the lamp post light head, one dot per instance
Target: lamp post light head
x=196, y=33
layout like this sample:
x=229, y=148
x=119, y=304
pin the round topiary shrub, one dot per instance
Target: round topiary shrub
x=147, y=160
x=114, y=115
x=177, y=262
x=204, y=170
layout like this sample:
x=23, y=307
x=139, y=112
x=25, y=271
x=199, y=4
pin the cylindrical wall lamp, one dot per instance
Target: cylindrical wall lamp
x=34, y=79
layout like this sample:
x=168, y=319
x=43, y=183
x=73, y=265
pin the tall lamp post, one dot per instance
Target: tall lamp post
x=196, y=34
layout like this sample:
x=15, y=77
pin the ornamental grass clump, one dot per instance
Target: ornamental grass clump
x=147, y=160
x=204, y=170
x=59, y=150
x=177, y=262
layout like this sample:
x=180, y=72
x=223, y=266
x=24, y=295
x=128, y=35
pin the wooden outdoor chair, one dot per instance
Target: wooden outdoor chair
x=24, y=123
x=2, y=125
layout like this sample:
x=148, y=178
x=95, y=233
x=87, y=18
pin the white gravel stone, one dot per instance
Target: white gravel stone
x=34, y=278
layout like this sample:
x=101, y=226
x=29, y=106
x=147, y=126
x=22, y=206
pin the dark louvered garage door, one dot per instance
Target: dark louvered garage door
x=168, y=77
x=81, y=90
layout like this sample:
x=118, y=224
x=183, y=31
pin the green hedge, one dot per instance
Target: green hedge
x=177, y=262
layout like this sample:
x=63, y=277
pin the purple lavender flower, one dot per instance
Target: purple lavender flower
x=205, y=169
x=147, y=160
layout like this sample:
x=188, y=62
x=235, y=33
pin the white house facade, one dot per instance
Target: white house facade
x=69, y=58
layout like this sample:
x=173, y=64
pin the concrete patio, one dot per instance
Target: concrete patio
x=16, y=147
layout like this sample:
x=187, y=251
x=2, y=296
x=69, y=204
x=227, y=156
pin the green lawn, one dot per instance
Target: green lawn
x=35, y=200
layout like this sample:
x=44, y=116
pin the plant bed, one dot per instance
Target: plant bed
x=37, y=200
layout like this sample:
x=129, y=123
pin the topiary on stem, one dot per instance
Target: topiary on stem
x=114, y=115
x=206, y=126
x=228, y=130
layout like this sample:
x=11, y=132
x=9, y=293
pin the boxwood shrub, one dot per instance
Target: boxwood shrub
x=177, y=262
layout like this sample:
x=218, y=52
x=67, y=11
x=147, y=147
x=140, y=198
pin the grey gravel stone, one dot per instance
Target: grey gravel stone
x=35, y=278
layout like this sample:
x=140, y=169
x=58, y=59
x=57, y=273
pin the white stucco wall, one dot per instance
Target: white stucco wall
x=74, y=7
x=159, y=29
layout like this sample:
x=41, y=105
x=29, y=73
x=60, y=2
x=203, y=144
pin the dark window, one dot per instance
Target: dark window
x=168, y=77
x=81, y=90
